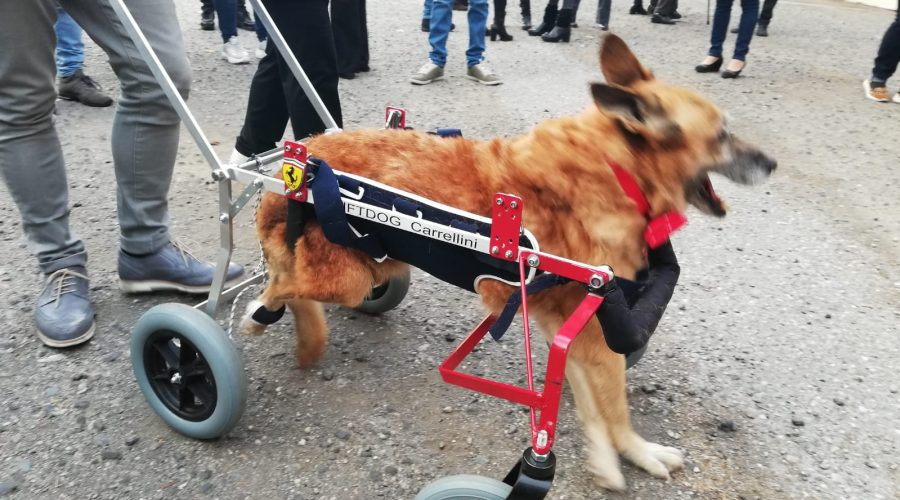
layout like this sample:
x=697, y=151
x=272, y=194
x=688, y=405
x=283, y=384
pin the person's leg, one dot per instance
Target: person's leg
x=267, y=111
x=478, y=15
x=31, y=159
x=363, y=60
x=227, y=12
x=765, y=16
x=345, y=29
x=441, y=16
x=549, y=20
x=575, y=4
x=69, y=46
x=603, y=10
x=207, y=15
x=888, y=54
x=749, y=16
x=146, y=127
x=665, y=8
x=721, y=17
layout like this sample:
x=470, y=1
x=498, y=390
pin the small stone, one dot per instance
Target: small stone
x=102, y=440
x=361, y=358
x=111, y=455
x=206, y=487
x=375, y=476
x=51, y=358
x=51, y=391
x=448, y=409
x=109, y=358
x=648, y=388
x=391, y=470
x=81, y=404
x=798, y=422
x=79, y=376
x=205, y=474
x=449, y=337
x=342, y=434
x=7, y=487
x=98, y=425
x=827, y=316
x=132, y=440
x=696, y=470
x=327, y=375
x=839, y=402
x=441, y=445
x=727, y=426
x=870, y=464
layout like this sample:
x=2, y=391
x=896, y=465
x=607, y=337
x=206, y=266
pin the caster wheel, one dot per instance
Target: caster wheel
x=631, y=359
x=465, y=487
x=189, y=370
x=386, y=296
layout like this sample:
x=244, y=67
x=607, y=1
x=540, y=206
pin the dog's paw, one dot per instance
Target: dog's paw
x=656, y=459
x=604, y=465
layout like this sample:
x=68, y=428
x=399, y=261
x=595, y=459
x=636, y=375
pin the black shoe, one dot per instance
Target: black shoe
x=661, y=19
x=208, y=20
x=247, y=24
x=499, y=32
x=526, y=22
x=550, y=13
x=637, y=10
x=82, y=88
x=675, y=15
x=762, y=30
x=732, y=74
x=426, y=25
x=709, y=68
x=561, y=32
x=347, y=76
x=461, y=5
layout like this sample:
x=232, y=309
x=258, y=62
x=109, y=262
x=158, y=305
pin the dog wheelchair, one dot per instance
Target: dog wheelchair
x=191, y=374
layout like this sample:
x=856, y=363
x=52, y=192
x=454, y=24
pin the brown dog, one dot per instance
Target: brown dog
x=667, y=138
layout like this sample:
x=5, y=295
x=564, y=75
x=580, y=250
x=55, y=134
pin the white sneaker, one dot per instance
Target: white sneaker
x=428, y=73
x=234, y=53
x=483, y=74
x=237, y=158
x=261, y=49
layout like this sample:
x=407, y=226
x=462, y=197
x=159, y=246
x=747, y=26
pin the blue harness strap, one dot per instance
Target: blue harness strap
x=330, y=212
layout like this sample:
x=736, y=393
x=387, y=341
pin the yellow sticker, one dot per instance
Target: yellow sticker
x=292, y=175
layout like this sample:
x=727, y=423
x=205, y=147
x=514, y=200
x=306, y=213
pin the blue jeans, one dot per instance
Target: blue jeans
x=227, y=12
x=69, y=47
x=441, y=17
x=426, y=9
x=749, y=16
x=603, y=12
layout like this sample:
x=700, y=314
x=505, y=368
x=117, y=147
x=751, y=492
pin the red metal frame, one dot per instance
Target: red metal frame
x=387, y=115
x=506, y=226
x=545, y=404
x=295, y=157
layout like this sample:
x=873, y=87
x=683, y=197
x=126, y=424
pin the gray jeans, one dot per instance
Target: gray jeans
x=144, y=132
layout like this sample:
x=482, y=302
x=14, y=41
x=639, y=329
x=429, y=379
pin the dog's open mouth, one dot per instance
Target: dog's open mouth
x=701, y=194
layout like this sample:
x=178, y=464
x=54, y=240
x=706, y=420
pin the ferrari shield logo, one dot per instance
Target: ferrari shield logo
x=292, y=175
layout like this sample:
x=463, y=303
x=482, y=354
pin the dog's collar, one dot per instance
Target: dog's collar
x=659, y=228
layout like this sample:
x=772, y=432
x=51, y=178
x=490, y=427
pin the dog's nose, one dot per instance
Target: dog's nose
x=769, y=164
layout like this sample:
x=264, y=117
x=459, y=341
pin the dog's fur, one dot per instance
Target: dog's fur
x=668, y=138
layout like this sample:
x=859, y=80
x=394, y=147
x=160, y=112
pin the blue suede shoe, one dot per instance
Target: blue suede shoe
x=171, y=268
x=63, y=316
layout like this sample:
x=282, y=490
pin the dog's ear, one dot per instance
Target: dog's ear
x=619, y=65
x=635, y=117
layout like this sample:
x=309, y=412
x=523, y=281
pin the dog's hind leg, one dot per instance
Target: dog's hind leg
x=311, y=329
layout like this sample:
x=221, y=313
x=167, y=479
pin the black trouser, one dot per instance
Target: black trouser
x=275, y=94
x=525, y=5
x=888, y=52
x=765, y=15
x=666, y=7
x=351, y=36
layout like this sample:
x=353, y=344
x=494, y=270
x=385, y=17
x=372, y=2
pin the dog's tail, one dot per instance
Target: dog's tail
x=312, y=331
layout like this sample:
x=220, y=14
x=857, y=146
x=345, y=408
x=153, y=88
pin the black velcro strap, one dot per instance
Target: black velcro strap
x=330, y=212
x=541, y=283
x=264, y=316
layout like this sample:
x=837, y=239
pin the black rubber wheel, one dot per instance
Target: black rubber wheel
x=631, y=359
x=465, y=487
x=189, y=370
x=386, y=296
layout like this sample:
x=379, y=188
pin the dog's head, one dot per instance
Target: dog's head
x=685, y=132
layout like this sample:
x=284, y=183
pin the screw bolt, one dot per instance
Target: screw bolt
x=508, y=254
x=534, y=260
x=499, y=201
x=513, y=204
x=223, y=218
x=595, y=281
x=495, y=250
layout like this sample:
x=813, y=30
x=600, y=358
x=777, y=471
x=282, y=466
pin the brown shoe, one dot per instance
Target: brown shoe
x=879, y=93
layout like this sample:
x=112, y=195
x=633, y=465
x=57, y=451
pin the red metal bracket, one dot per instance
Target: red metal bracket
x=293, y=170
x=506, y=226
x=394, y=122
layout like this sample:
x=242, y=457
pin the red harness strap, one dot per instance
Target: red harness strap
x=659, y=228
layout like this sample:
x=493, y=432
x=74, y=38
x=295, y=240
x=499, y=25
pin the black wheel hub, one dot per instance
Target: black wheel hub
x=180, y=376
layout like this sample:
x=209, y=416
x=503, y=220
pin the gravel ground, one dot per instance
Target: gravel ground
x=775, y=367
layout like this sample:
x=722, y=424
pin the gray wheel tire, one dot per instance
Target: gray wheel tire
x=221, y=356
x=632, y=358
x=386, y=298
x=465, y=487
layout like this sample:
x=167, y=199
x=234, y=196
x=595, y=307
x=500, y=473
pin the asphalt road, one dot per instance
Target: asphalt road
x=775, y=368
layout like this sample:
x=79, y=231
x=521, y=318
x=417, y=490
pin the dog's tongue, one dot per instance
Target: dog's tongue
x=707, y=185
